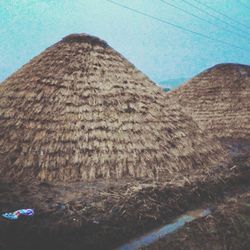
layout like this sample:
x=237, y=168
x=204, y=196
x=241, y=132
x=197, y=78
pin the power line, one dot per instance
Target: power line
x=222, y=14
x=207, y=13
x=175, y=25
x=202, y=19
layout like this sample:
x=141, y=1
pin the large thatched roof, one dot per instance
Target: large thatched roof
x=219, y=100
x=80, y=110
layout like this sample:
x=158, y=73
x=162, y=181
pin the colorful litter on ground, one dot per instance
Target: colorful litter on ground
x=15, y=215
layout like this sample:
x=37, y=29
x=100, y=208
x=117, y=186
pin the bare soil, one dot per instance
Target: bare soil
x=106, y=214
x=228, y=227
x=102, y=215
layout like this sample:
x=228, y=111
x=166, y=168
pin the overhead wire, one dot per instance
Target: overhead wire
x=222, y=14
x=175, y=25
x=202, y=19
x=211, y=15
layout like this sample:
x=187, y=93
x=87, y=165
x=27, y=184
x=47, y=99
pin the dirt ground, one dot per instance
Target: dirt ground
x=101, y=215
x=106, y=214
x=228, y=227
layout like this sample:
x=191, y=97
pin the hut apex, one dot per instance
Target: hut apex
x=84, y=38
x=81, y=111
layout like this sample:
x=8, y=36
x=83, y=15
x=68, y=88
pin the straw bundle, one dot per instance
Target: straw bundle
x=80, y=111
x=218, y=99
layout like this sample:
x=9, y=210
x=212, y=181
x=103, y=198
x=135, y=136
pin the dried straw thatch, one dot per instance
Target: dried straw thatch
x=80, y=110
x=219, y=100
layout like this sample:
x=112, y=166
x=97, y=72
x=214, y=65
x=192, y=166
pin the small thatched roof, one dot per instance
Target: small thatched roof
x=218, y=99
x=80, y=110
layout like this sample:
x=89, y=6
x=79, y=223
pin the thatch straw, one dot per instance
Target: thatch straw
x=219, y=100
x=80, y=110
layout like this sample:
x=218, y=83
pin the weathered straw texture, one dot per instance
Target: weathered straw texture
x=219, y=100
x=80, y=110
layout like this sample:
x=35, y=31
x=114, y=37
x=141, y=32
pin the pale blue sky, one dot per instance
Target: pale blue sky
x=27, y=27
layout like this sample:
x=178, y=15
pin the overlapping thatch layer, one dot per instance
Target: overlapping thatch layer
x=219, y=100
x=80, y=110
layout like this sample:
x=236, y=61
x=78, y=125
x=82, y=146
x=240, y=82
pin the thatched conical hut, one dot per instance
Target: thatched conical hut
x=80, y=111
x=218, y=99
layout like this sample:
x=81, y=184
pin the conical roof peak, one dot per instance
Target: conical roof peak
x=84, y=38
x=224, y=68
x=228, y=65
